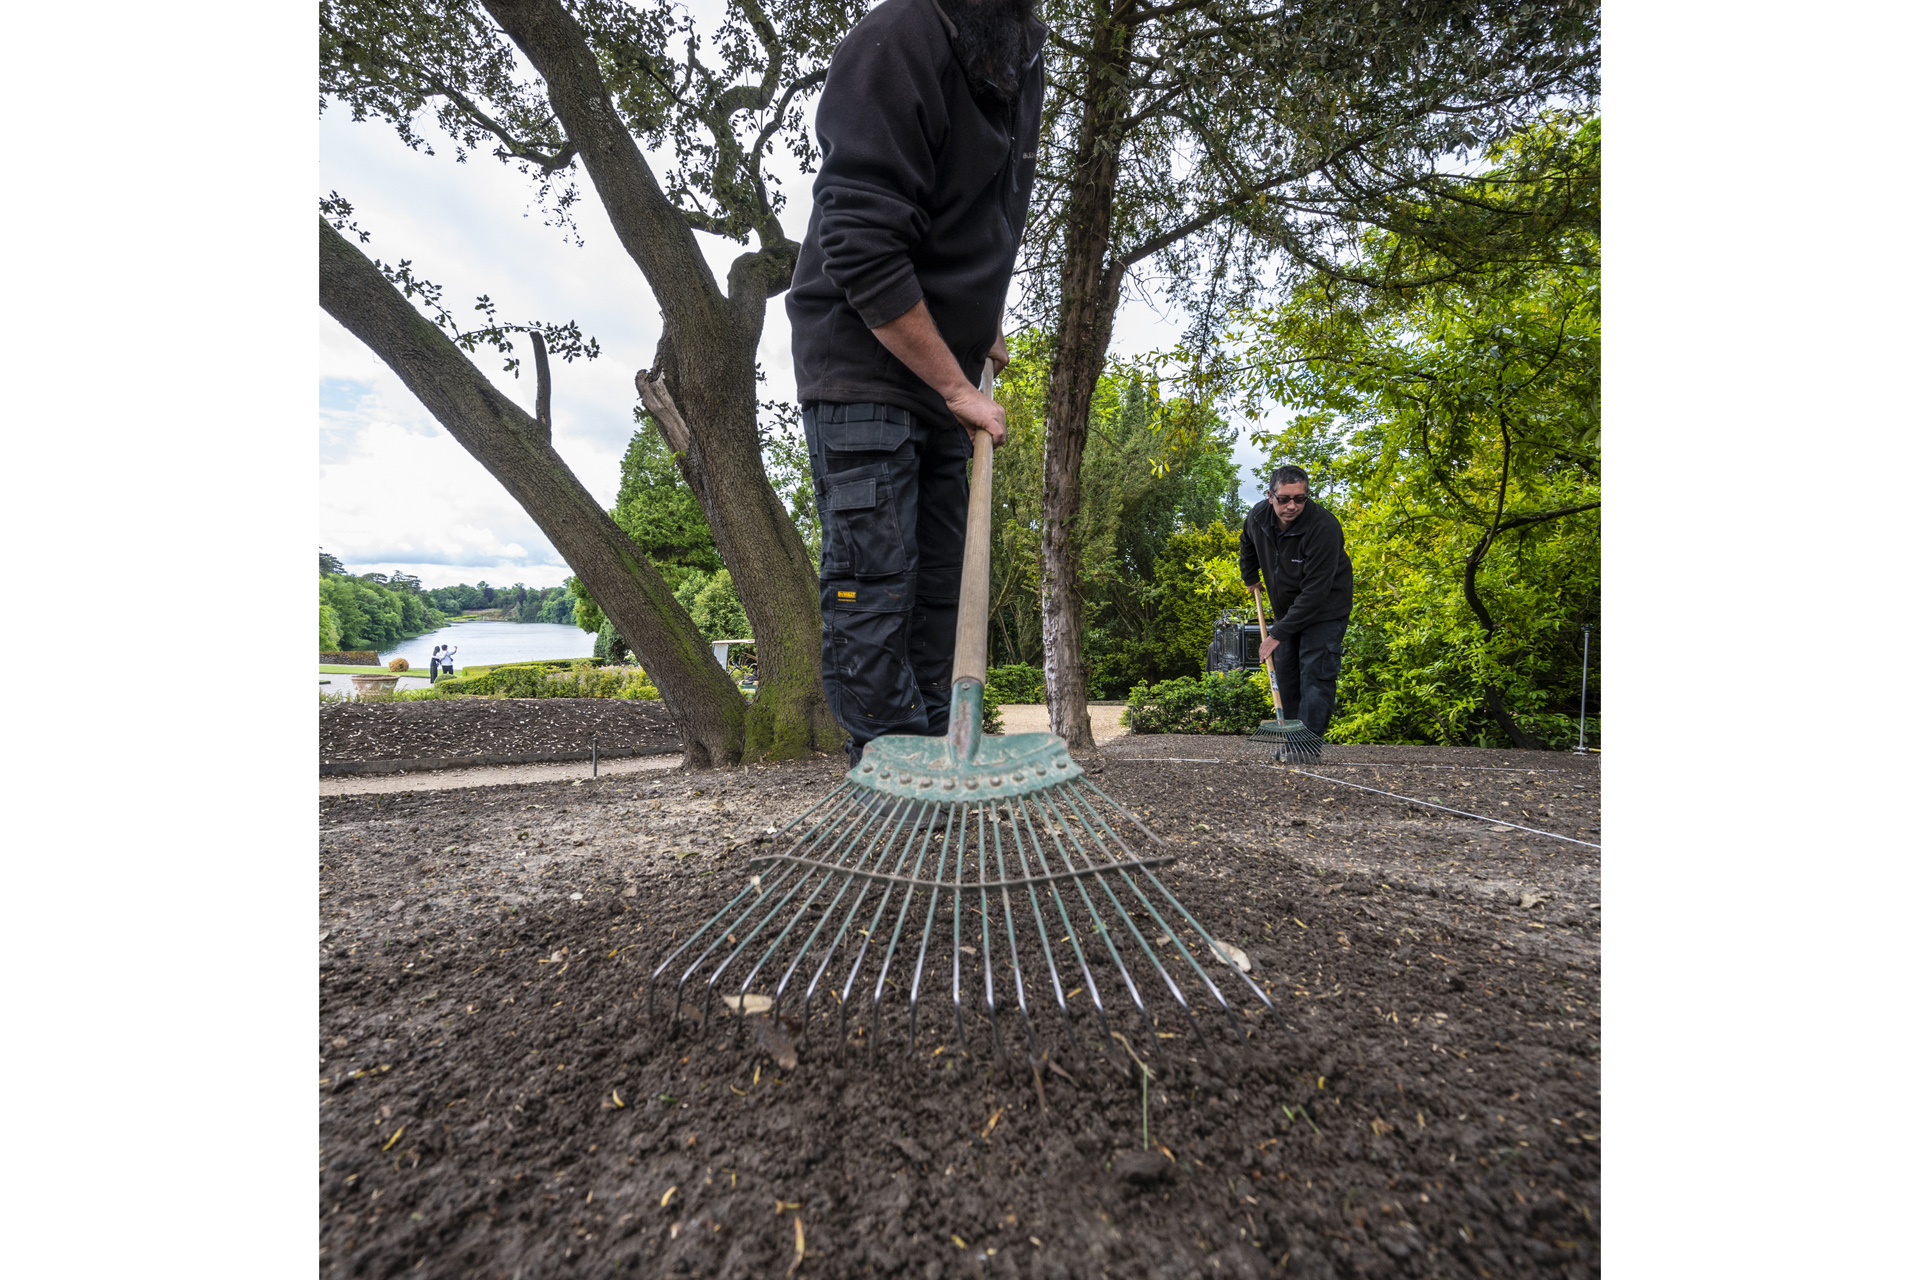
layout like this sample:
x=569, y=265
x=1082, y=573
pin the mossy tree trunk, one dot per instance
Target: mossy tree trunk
x=706, y=365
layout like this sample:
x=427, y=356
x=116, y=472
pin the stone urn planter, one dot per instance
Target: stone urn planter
x=375, y=684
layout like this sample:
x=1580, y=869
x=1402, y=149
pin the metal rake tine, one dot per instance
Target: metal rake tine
x=1100, y=879
x=1179, y=996
x=986, y=933
x=1033, y=901
x=926, y=932
x=845, y=844
x=846, y=882
x=1073, y=935
x=716, y=918
x=899, y=920
x=1188, y=916
x=1100, y=928
x=959, y=886
x=893, y=834
x=922, y=817
x=842, y=791
x=720, y=936
x=1039, y=919
x=1013, y=945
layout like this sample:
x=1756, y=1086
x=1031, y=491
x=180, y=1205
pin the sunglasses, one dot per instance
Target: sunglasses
x=1289, y=499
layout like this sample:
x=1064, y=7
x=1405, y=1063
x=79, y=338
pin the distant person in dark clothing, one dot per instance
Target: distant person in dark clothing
x=928, y=127
x=433, y=665
x=1301, y=552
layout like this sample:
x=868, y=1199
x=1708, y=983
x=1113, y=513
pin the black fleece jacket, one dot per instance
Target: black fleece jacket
x=1309, y=577
x=922, y=193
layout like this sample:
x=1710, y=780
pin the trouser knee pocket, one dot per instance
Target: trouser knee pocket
x=861, y=525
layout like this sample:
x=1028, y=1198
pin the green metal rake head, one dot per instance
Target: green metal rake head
x=1295, y=743
x=977, y=856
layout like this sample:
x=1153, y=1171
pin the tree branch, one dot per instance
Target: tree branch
x=543, y=385
x=652, y=230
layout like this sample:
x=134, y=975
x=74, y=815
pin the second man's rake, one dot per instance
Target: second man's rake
x=989, y=866
x=1293, y=741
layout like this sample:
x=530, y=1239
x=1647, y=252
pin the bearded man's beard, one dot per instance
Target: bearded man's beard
x=991, y=37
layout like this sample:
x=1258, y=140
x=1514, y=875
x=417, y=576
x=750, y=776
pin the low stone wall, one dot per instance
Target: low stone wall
x=351, y=658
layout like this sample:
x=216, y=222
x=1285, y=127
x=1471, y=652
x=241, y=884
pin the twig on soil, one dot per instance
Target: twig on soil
x=1146, y=1074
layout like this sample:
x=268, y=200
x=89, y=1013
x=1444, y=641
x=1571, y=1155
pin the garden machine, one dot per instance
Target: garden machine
x=1294, y=742
x=990, y=866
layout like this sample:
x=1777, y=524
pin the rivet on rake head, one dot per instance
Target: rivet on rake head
x=886, y=773
x=994, y=781
x=926, y=782
x=973, y=784
x=1060, y=764
x=946, y=784
x=867, y=768
x=1020, y=777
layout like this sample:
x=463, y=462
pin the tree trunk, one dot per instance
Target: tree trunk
x=708, y=711
x=1089, y=295
x=1496, y=701
x=706, y=360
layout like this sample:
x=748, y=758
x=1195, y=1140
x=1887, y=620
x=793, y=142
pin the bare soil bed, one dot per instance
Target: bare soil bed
x=495, y=1102
x=472, y=727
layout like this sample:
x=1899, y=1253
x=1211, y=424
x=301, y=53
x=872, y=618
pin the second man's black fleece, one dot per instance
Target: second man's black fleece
x=1309, y=576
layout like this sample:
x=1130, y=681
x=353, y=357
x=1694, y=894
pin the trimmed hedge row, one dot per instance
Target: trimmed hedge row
x=540, y=680
x=350, y=658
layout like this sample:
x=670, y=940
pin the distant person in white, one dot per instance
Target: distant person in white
x=446, y=659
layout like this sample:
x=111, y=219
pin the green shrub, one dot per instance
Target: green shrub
x=1218, y=702
x=1018, y=683
x=990, y=721
x=579, y=679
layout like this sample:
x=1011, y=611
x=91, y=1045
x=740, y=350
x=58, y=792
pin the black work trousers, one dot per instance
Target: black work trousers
x=1307, y=667
x=892, y=493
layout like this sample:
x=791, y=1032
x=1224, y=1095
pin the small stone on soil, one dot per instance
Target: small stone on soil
x=1142, y=1168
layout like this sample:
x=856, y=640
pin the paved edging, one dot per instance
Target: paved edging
x=331, y=768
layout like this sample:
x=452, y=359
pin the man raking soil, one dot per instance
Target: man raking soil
x=928, y=125
x=1301, y=551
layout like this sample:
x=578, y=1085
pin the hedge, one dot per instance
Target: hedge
x=1222, y=702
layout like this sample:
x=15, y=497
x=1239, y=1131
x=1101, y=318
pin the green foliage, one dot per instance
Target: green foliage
x=783, y=452
x=659, y=512
x=990, y=719
x=1217, y=702
x=1455, y=431
x=714, y=605
x=1018, y=683
x=370, y=614
x=330, y=563
x=1149, y=473
x=587, y=615
x=329, y=629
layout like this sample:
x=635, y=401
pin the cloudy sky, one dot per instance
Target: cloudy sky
x=396, y=492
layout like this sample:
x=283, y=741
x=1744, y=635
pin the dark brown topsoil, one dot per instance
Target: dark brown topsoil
x=460, y=727
x=495, y=1101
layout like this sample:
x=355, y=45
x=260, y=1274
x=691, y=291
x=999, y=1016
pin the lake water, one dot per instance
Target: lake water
x=483, y=644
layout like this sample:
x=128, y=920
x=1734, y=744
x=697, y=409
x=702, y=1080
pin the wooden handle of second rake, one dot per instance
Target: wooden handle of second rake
x=1273, y=682
x=970, y=636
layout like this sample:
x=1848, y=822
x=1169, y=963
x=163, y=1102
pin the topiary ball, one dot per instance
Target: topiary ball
x=398, y=664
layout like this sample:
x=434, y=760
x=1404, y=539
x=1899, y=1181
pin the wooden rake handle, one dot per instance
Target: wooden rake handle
x=1273, y=681
x=970, y=636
